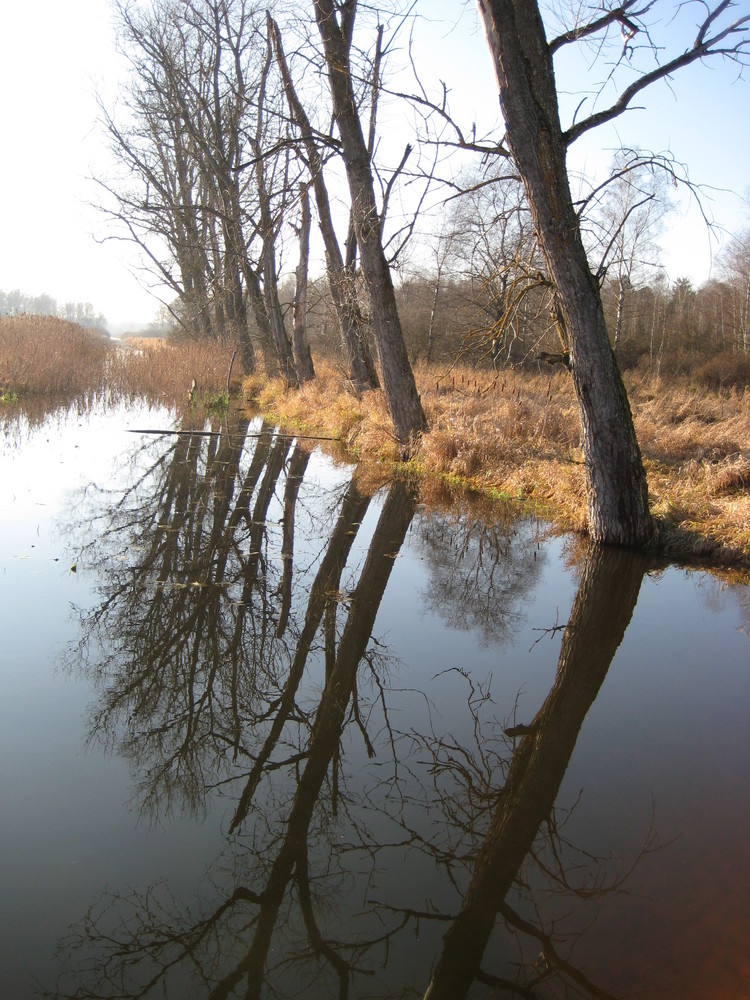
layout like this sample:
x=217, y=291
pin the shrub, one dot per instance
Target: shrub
x=728, y=370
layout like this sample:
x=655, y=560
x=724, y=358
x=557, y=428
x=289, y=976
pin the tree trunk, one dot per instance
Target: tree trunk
x=360, y=365
x=303, y=361
x=617, y=494
x=620, y=310
x=402, y=398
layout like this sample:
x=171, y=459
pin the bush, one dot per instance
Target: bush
x=728, y=370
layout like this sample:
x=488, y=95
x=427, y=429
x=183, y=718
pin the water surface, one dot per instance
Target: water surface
x=266, y=730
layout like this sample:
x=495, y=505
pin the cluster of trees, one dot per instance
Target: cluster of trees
x=236, y=118
x=652, y=323
x=17, y=303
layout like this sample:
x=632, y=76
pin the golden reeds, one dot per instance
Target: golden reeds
x=163, y=371
x=45, y=356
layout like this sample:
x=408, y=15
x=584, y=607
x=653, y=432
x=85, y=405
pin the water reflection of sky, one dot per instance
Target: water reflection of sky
x=662, y=753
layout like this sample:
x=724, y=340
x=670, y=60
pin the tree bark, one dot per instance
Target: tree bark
x=402, y=398
x=360, y=365
x=617, y=495
x=303, y=361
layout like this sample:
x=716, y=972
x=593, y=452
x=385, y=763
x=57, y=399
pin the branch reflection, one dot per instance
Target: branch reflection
x=235, y=651
x=607, y=595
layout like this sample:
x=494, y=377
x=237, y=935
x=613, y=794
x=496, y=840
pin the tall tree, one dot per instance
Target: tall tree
x=341, y=276
x=617, y=493
x=336, y=24
x=208, y=181
x=735, y=266
x=631, y=212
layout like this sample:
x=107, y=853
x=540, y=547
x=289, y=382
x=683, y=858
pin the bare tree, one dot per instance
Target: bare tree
x=209, y=168
x=341, y=273
x=617, y=493
x=631, y=207
x=336, y=23
x=735, y=266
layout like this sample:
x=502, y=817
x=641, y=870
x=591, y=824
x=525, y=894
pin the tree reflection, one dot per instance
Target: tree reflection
x=235, y=652
x=481, y=569
x=186, y=644
x=149, y=953
x=606, y=598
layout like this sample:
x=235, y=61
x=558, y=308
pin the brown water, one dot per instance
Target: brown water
x=265, y=733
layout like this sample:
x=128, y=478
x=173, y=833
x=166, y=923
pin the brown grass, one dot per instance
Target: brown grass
x=516, y=436
x=164, y=371
x=45, y=356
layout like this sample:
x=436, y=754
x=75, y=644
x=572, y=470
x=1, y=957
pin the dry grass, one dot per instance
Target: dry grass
x=328, y=408
x=46, y=363
x=45, y=356
x=164, y=372
x=516, y=436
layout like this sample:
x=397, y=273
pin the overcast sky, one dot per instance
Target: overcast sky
x=53, y=56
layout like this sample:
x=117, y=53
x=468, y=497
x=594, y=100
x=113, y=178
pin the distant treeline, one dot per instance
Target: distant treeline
x=16, y=303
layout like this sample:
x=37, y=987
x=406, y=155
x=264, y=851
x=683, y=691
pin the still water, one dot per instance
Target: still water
x=268, y=729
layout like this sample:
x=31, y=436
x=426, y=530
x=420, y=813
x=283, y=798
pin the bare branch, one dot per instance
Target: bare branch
x=703, y=47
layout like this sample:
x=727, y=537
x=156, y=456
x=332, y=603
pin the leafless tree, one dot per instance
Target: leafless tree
x=735, y=267
x=538, y=142
x=336, y=25
x=341, y=272
x=627, y=221
x=209, y=169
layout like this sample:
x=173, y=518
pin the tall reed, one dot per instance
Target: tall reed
x=45, y=356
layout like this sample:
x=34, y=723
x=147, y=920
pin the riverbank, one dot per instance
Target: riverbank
x=513, y=435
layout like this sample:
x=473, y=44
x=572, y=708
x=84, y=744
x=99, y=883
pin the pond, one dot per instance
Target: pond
x=269, y=728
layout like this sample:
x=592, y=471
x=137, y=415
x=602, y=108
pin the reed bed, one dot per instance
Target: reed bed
x=47, y=364
x=45, y=356
x=164, y=371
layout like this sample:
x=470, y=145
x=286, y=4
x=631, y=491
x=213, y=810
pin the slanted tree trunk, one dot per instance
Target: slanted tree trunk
x=617, y=494
x=360, y=365
x=402, y=398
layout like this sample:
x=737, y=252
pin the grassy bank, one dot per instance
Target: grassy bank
x=512, y=436
x=515, y=436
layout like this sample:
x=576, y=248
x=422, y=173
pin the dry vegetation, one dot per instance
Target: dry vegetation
x=51, y=360
x=164, y=371
x=44, y=356
x=515, y=436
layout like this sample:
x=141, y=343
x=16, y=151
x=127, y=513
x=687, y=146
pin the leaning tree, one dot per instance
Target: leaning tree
x=523, y=57
x=335, y=22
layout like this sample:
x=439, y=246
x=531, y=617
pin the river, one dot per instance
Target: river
x=270, y=727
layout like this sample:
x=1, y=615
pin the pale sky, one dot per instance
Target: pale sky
x=54, y=55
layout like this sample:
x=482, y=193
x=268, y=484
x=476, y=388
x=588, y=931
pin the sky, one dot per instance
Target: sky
x=54, y=58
